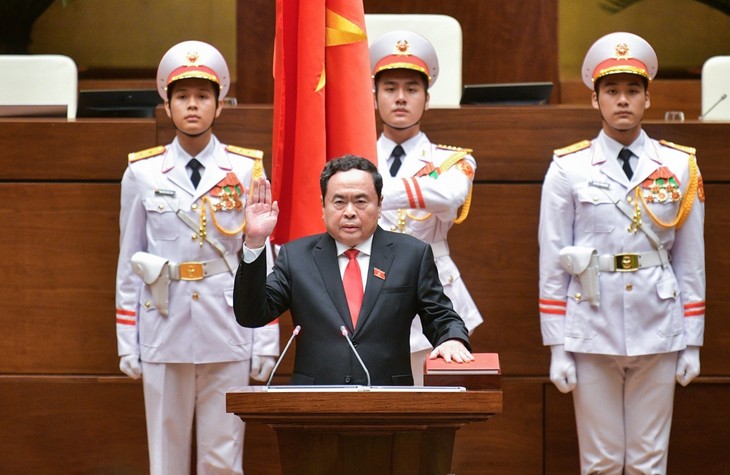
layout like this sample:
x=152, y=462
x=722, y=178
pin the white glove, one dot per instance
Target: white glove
x=130, y=365
x=688, y=365
x=562, y=369
x=261, y=367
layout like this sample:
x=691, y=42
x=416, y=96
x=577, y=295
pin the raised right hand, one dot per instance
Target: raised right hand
x=261, y=214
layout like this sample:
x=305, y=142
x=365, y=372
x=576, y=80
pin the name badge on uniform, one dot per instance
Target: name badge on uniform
x=600, y=184
x=165, y=192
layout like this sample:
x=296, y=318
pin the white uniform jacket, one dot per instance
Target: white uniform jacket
x=200, y=326
x=425, y=205
x=651, y=310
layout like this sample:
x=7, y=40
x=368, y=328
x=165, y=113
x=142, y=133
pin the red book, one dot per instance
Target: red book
x=482, y=373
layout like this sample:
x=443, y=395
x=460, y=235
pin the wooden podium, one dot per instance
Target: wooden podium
x=401, y=431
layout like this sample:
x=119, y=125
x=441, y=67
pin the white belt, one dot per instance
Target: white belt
x=440, y=249
x=629, y=262
x=157, y=272
x=198, y=270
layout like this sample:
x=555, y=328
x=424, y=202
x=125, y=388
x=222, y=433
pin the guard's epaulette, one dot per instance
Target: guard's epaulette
x=576, y=147
x=147, y=153
x=246, y=152
x=454, y=149
x=682, y=148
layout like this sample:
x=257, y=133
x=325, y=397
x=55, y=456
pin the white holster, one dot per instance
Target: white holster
x=154, y=271
x=582, y=262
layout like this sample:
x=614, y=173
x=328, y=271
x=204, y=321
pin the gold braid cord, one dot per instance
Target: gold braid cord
x=457, y=157
x=258, y=172
x=465, y=208
x=227, y=232
x=448, y=163
x=687, y=200
x=419, y=218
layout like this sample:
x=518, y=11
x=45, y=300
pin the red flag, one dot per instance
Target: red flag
x=323, y=104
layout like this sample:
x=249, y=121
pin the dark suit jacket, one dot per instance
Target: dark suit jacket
x=306, y=280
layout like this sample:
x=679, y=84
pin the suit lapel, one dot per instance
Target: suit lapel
x=177, y=174
x=647, y=167
x=416, y=159
x=214, y=174
x=211, y=178
x=381, y=259
x=325, y=258
x=609, y=167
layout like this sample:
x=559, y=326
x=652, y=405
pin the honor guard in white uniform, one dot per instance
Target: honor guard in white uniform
x=622, y=269
x=426, y=187
x=181, y=220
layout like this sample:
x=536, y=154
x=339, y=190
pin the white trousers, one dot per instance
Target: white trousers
x=173, y=394
x=623, y=411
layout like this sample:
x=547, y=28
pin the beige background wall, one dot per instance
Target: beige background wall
x=134, y=34
x=684, y=33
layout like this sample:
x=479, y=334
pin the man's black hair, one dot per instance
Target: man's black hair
x=421, y=75
x=171, y=87
x=597, y=82
x=350, y=162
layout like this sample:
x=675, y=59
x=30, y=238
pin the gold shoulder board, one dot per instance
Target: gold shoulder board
x=454, y=149
x=682, y=148
x=142, y=154
x=576, y=147
x=245, y=152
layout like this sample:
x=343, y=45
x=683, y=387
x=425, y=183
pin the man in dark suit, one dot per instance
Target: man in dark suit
x=397, y=273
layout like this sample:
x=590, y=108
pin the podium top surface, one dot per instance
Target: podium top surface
x=291, y=388
x=347, y=406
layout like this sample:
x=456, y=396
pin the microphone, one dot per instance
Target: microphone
x=722, y=98
x=344, y=332
x=294, y=333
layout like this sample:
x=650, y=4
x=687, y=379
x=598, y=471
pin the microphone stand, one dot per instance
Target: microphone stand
x=722, y=98
x=294, y=333
x=347, y=337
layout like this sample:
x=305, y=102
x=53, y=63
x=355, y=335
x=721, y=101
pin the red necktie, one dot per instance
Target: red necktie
x=352, y=281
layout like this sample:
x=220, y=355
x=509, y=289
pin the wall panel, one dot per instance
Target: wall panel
x=60, y=376
x=492, y=51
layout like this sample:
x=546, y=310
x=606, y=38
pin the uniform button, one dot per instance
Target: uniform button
x=147, y=304
x=629, y=287
x=196, y=296
x=629, y=199
x=595, y=197
x=194, y=206
x=578, y=296
x=194, y=237
x=348, y=380
x=160, y=206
